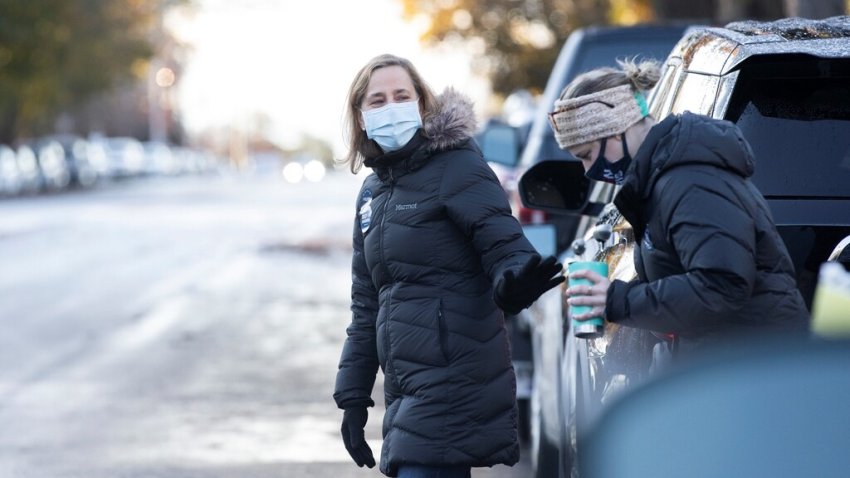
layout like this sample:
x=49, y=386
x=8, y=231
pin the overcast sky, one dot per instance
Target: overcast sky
x=294, y=60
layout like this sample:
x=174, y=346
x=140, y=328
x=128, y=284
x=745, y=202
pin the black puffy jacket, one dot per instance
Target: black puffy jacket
x=711, y=264
x=433, y=233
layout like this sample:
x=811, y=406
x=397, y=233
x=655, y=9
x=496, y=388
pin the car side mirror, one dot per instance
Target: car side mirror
x=500, y=143
x=558, y=187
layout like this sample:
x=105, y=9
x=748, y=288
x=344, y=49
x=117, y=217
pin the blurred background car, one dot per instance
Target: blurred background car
x=10, y=181
x=786, y=84
x=125, y=156
x=82, y=169
x=55, y=173
x=159, y=159
x=28, y=170
x=504, y=136
x=303, y=168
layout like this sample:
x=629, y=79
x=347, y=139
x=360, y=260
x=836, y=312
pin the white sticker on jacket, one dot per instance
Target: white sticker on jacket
x=365, y=211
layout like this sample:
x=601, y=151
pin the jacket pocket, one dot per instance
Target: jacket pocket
x=415, y=336
x=381, y=342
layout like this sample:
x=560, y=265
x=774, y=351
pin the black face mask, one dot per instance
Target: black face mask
x=604, y=170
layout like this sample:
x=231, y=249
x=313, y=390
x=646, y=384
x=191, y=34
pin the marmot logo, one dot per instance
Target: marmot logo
x=405, y=207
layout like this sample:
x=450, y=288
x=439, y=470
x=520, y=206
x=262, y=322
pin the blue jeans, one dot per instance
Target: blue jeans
x=419, y=471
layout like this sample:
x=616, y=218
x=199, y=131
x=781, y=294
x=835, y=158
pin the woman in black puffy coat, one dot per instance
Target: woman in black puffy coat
x=712, y=268
x=437, y=258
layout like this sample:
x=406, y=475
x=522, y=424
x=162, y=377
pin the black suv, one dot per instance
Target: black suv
x=786, y=84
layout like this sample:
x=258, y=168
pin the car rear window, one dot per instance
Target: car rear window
x=799, y=129
x=604, y=53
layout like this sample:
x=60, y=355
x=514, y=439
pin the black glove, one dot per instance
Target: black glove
x=353, y=423
x=516, y=292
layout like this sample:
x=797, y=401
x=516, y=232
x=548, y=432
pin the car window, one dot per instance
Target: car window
x=603, y=53
x=799, y=130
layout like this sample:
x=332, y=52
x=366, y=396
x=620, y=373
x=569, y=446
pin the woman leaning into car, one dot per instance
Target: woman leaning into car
x=711, y=266
x=436, y=255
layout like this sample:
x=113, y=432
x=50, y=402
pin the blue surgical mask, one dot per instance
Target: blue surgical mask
x=393, y=125
x=607, y=171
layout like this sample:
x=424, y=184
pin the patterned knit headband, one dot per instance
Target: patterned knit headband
x=597, y=115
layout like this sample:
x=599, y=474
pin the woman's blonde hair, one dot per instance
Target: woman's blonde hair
x=360, y=147
x=641, y=76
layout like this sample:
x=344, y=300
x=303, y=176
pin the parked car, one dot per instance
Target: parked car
x=81, y=164
x=786, y=84
x=10, y=179
x=502, y=137
x=584, y=50
x=50, y=155
x=125, y=156
x=98, y=157
x=159, y=159
x=193, y=161
x=29, y=172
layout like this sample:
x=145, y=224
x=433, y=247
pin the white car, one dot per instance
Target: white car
x=10, y=180
x=29, y=173
x=125, y=156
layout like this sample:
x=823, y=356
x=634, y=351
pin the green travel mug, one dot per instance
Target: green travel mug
x=591, y=328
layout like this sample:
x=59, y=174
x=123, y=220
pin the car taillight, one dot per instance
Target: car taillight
x=531, y=216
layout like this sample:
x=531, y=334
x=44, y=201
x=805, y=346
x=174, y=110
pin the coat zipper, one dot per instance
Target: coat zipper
x=387, y=352
x=383, y=220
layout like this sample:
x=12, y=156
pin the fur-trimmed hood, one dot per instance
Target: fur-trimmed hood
x=452, y=124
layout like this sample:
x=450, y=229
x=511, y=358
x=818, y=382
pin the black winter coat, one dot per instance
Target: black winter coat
x=711, y=264
x=433, y=233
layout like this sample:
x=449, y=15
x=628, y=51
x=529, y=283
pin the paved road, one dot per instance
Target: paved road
x=178, y=328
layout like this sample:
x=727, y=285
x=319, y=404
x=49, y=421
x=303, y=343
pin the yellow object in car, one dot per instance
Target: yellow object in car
x=831, y=307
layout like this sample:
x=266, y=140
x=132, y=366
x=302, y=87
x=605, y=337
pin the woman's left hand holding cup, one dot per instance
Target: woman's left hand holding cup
x=594, y=295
